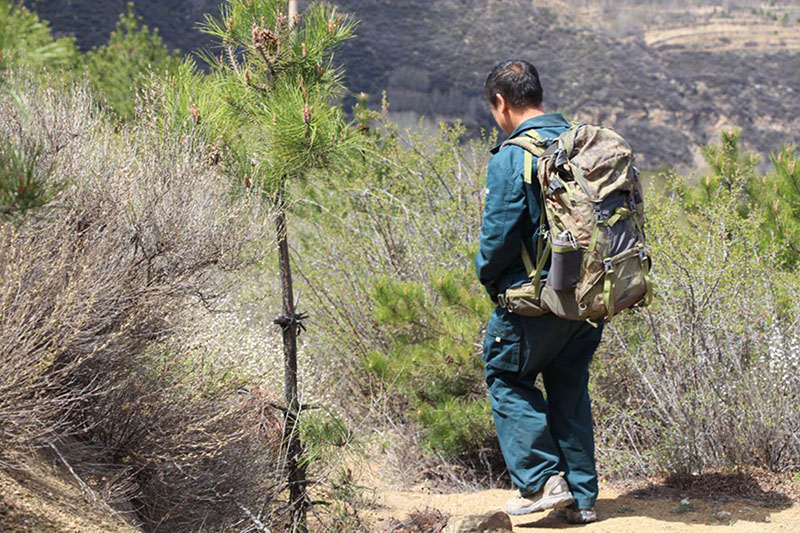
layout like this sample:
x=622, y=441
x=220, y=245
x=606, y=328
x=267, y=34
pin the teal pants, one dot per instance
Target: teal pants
x=543, y=434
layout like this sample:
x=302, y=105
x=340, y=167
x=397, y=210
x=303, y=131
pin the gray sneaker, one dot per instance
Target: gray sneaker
x=553, y=495
x=577, y=516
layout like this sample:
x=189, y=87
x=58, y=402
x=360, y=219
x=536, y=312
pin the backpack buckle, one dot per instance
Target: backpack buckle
x=643, y=254
x=598, y=212
x=608, y=266
x=631, y=203
x=501, y=300
x=555, y=184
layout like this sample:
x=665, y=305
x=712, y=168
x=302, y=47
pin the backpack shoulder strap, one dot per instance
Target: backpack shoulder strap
x=533, y=144
x=531, y=141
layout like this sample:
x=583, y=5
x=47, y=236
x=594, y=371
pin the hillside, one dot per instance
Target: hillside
x=90, y=22
x=668, y=75
x=669, y=80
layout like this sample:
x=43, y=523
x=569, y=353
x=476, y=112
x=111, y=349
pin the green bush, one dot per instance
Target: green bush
x=777, y=193
x=433, y=358
x=458, y=427
x=25, y=41
x=773, y=196
x=394, y=290
x=119, y=69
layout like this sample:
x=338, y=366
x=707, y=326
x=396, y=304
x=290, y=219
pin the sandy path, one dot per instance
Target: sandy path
x=619, y=512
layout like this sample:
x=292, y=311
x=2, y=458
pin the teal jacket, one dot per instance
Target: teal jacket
x=511, y=210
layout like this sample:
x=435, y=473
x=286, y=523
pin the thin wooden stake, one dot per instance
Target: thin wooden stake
x=288, y=321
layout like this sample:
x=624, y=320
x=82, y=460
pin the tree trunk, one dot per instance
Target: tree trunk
x=289, y=324
x=294, y=448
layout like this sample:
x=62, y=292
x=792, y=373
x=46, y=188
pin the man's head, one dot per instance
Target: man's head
x=514, y=93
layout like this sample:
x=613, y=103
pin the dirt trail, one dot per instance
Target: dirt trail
x=42, y=499
x=619, y=510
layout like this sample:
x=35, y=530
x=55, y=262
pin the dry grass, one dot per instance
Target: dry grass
x=92, y=291
x=38, y=499
x=428, y=520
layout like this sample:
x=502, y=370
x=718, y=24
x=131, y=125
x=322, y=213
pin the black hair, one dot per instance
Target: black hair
x=517, y=81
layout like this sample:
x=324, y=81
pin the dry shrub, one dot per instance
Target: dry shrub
x=92, y=290
x=196, y=450
x=708, y=375
x=428, y=520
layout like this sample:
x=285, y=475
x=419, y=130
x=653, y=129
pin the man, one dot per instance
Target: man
x=547, y=443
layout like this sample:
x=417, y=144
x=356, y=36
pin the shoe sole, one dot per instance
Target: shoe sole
x=578, y=522
x=552, y=502
x=570, y=518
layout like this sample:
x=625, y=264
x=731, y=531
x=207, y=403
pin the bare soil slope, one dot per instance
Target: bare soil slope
x=41, y=499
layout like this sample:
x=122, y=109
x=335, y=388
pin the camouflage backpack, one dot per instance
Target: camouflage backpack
x=591, y=227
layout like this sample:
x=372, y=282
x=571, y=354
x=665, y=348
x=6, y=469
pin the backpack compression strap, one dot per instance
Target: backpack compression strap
x=535, y=271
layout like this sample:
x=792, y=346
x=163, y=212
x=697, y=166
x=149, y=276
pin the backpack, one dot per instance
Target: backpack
x=591, y=227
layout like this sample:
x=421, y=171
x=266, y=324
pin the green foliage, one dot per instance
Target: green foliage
x=192, y=100
x=399, y=305
x=331, y=446
x=25, y=41
x=774, y=195
x=779, y=195
x=458, y=427
x=119, y=69
x=23, y=184
x=730, y=168
x=403, y=221
x=327, y=437
x=278, y=83
x=434, y=358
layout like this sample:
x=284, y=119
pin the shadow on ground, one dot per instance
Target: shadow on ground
x=714, y=498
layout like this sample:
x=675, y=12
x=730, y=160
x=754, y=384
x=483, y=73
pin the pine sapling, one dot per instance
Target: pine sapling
x=274, y=74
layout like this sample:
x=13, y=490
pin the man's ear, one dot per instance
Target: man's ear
x=500, y=103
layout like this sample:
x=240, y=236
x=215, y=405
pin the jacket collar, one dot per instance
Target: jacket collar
x=548, y=120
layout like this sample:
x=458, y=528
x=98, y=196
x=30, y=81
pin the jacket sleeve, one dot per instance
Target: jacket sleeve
x=501, y=229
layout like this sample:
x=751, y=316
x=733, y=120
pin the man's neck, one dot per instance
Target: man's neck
x=522, y=115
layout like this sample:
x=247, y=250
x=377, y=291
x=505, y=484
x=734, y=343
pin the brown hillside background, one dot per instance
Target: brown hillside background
x=668, y=75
